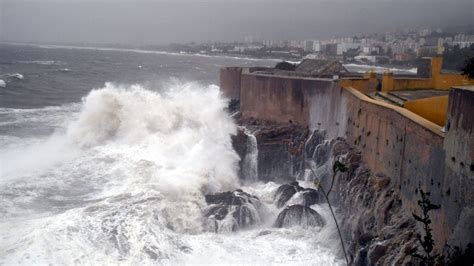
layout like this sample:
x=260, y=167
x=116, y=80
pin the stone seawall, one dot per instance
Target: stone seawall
x=411, y=151
x=458, y=187
x=277, y=98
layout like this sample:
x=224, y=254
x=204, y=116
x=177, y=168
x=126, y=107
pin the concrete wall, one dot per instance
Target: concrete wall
x=412, y=151
x=459, y=146
x=366, y=84
x=389, y=83
x=230, y=82
x=437, y=79
x=279, y=99
x=404, y=146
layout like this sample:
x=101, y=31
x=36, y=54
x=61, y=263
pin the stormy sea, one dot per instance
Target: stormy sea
x=109, y=156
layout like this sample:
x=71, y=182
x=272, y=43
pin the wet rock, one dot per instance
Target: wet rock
x=380, y=181
x=286, y=191
x=239, y=143
x=231, y=210
x=322, y=153
x=311, y=196
x=280, y=151
x=361, y=258
x=365, y=238
x=237, y=197
x=299, y=215
x=376, y=252
x=312, y=142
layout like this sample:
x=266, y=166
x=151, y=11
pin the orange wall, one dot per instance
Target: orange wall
x=433, y=108
x=438, y=80
x=446, y=81
x=364, y=85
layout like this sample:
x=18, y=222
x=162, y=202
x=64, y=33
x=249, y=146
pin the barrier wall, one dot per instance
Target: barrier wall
x=230, y=82
x=403, y=146
x=411, y=150
x=437, y=79
x=433, y=108
x=279, y=99
x=459, y=146
x=366, y=84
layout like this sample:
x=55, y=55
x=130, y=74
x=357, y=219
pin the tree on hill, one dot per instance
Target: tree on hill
x=454, y=57
x=468, y=69
x=285, y=66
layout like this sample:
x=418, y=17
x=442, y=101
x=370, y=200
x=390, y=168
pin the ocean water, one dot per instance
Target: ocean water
x=106, y=155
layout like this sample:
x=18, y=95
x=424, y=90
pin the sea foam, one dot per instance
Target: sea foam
x=123, y=180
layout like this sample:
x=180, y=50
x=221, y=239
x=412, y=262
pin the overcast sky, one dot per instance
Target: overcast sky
x=165, y=21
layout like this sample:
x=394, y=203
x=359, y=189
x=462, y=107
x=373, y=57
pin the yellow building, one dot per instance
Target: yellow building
x=424, y=94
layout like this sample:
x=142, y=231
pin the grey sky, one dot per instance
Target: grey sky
x=164, y=21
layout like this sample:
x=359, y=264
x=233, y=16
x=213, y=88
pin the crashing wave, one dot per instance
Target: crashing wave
x=17, y=76
x=42, y=62
x=124, y=180
x=3, y=84
x=230, y=211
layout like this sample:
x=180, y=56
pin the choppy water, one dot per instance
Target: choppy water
x=96, y=170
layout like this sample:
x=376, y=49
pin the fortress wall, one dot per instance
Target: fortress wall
x=412, y=151
x=389, y=83
x=439, y=82
x=404, y=147
x=360, y=84
x=444, y=81
x=430, y=77
x=432, y=108
x=279, y=99
x=230, y=82
x=459, y=146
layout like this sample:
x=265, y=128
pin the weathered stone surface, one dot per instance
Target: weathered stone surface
x=369, y=205
x=229, y=211
x=239, y=143
x=286, y=191
x=280, y=149
x=379, y=231
x=299, y=215
x=412, y=152
x=311, y=197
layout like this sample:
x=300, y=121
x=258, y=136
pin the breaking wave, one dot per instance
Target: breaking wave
x=122, y=181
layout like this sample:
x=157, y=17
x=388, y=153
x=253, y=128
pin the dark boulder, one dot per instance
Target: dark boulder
x=299, y=215
x=239, y=143
x=310, y=197
x=286, y=191
x=322, y=153
x=231, y=210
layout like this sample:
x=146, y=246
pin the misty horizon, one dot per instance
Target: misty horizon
x=163, y=22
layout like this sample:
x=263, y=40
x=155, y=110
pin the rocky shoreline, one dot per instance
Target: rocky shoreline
x=375, y=228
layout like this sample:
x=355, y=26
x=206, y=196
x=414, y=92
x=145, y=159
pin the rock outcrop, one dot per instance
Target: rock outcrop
x=375, y=227
x=285, y=192
x=279, y=149
x=299, y=215
x=378, y=230
x=231, y=210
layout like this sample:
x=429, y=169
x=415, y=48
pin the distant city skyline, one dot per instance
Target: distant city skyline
x=162, y=22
